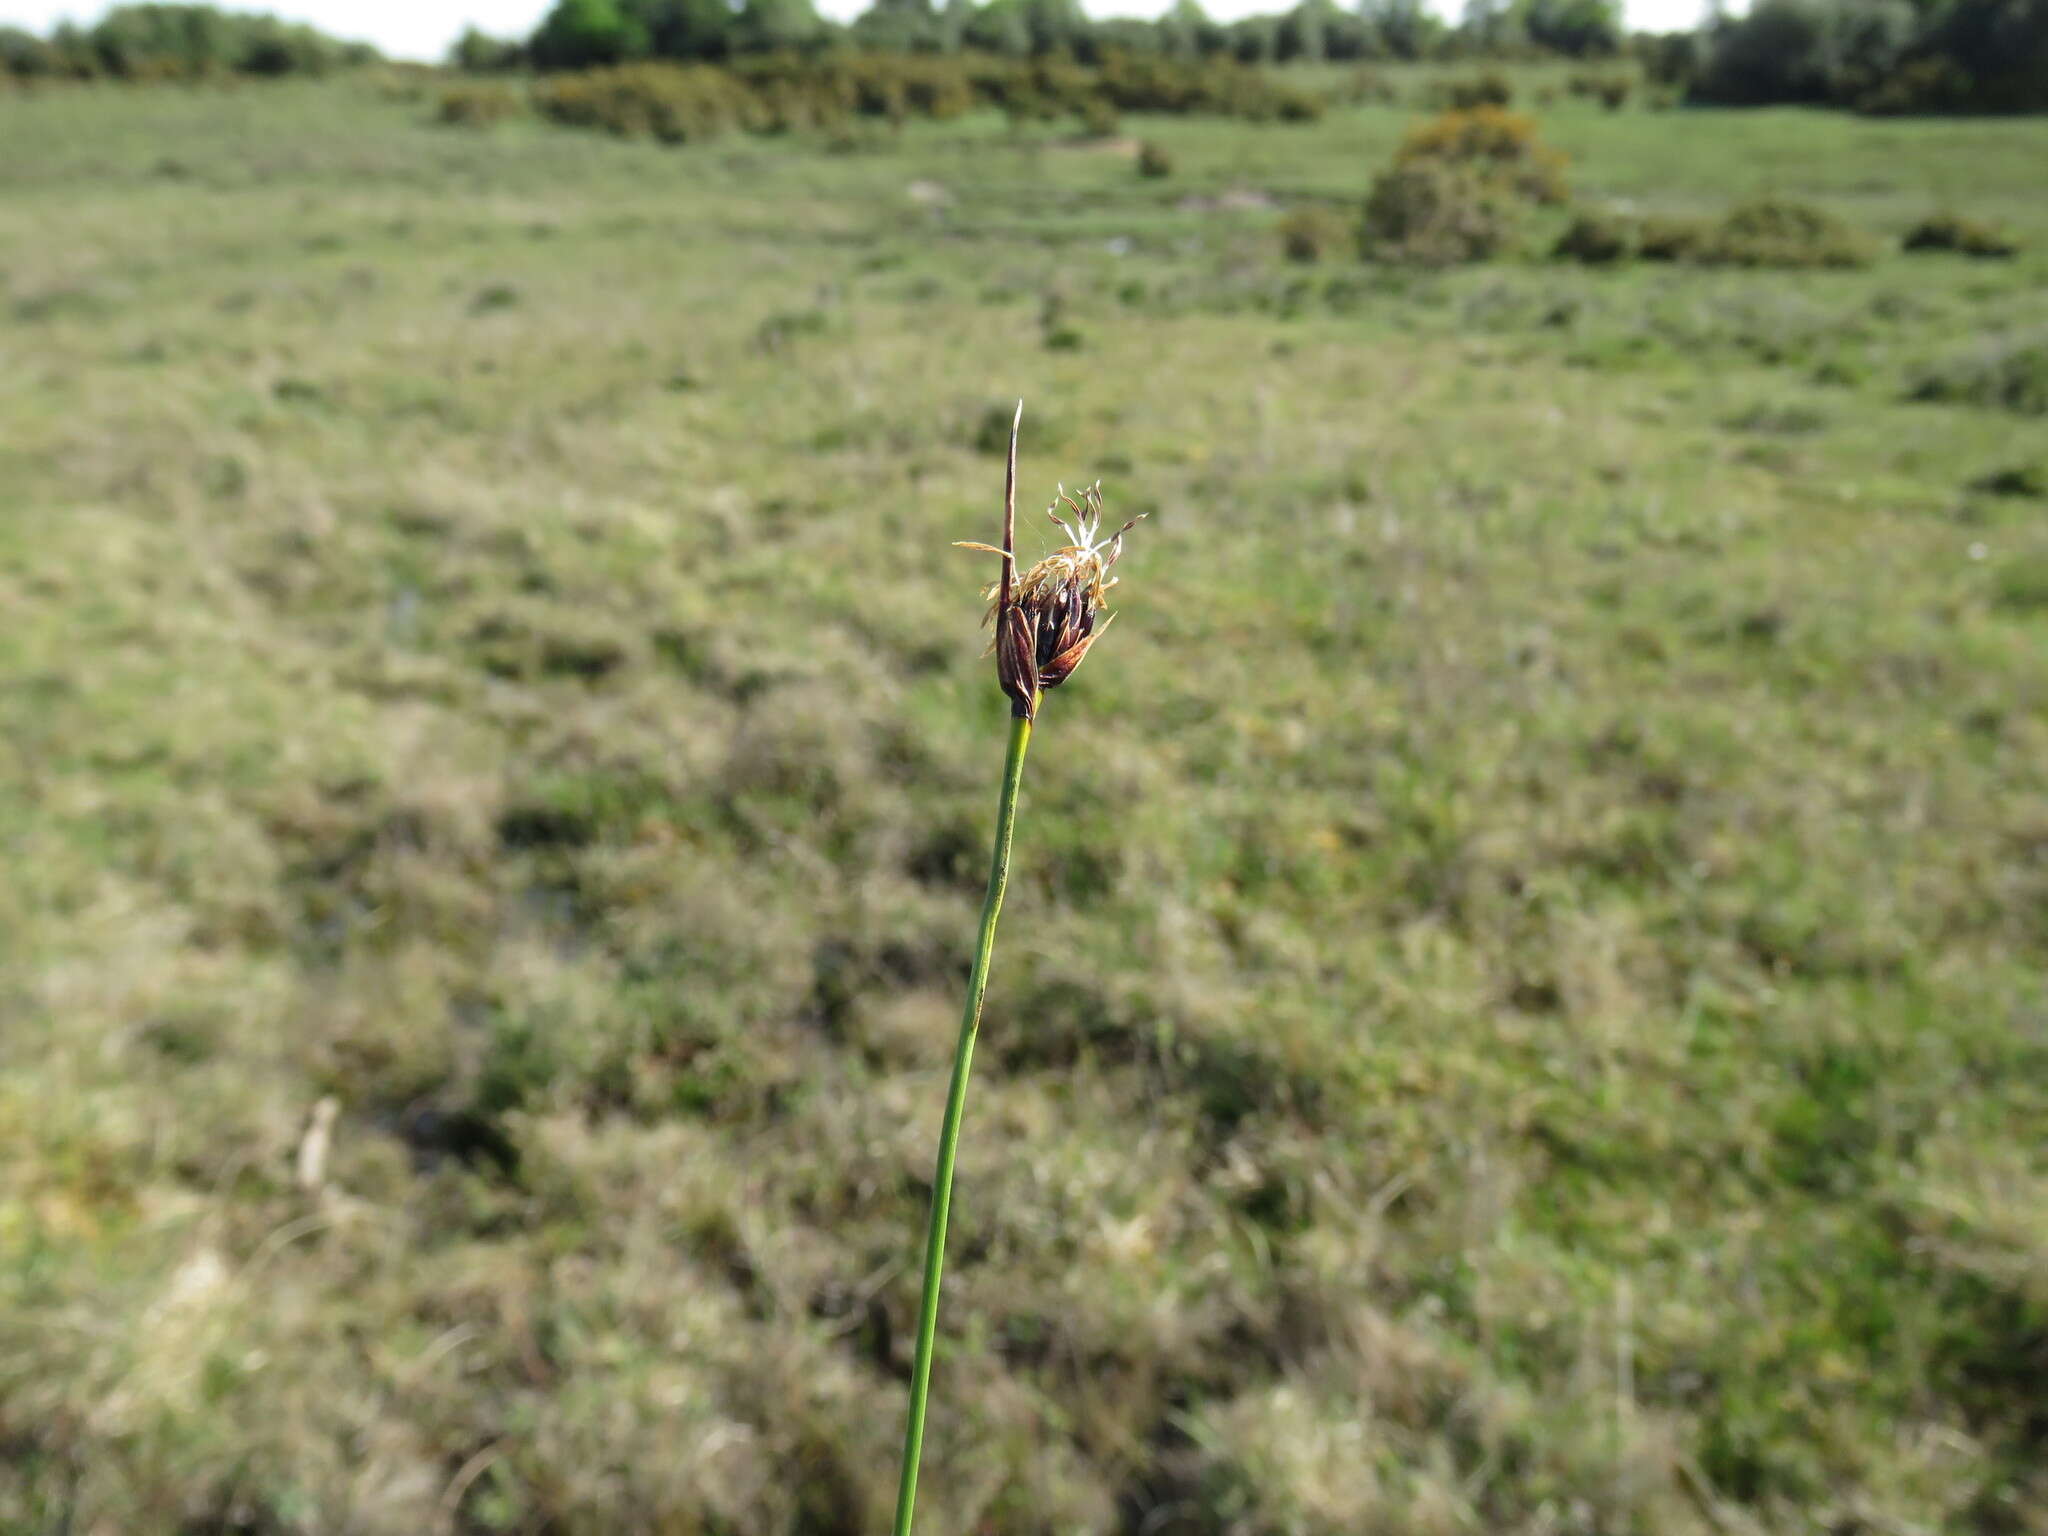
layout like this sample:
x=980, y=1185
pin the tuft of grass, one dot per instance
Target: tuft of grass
x=2023, y=584
x=2005, y=373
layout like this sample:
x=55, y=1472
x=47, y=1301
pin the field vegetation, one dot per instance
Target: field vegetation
x=1521, y=1006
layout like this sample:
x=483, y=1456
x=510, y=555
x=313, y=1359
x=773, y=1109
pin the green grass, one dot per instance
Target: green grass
x=1521, y=999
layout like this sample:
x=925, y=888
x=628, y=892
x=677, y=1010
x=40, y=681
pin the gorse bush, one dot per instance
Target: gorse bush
x=478, y=105
x=1598, y=239
x=1215, y=88
x=1053, y=88
x=893, y=87
x=681, y=103
x=1313, y=234
x=1672, y=239
x=778, y=91
x=1768, y=232
x=1439, y=213
x=1043, y=90
x=676, y=104
x=1154, y=161
x=1502, y=147
x=1610, y=90
x=1967, y=237
x=1779, y=232
x=1459, y=187
x=1491, y=89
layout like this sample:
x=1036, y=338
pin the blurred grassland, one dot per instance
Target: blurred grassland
x=1521, y=1007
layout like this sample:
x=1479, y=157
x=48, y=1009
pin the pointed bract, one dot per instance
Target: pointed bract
x=1061, y=667
x=1017, y=662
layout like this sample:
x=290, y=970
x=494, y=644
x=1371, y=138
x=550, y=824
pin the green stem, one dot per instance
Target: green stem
x=949, y=1132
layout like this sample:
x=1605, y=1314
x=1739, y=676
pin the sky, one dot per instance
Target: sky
x=423, y=29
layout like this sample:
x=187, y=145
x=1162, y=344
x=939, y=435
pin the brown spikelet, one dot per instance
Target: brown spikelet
x=1048, y=617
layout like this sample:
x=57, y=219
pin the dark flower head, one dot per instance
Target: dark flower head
x=1046, y=618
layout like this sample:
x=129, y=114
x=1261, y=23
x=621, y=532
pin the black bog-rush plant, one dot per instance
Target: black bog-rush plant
x=1045, y=620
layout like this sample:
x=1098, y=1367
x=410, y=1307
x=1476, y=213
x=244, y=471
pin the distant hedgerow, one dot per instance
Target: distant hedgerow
x=1490, y=88
x=1053, y=87
x=778, y=91
x=895, y=87
x=478, y=104
x=674, y=103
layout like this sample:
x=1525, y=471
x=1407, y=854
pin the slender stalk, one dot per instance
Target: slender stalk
x=949, y=1131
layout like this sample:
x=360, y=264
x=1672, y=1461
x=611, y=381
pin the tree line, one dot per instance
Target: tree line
x=1871, y=55
x=1902, y=56
x=176, y=42
x=1909, y=56
x=581, y=33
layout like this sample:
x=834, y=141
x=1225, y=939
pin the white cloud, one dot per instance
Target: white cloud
x=423, y=29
